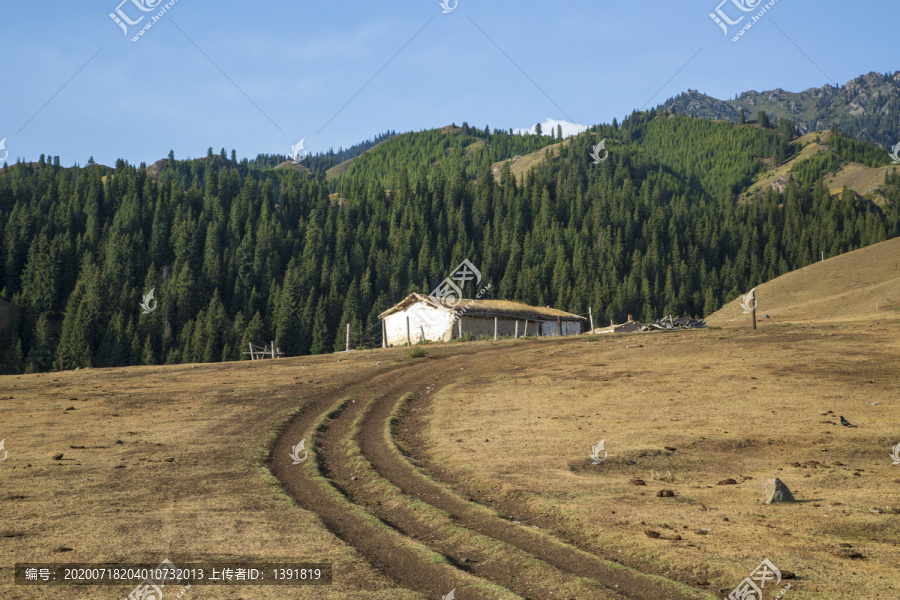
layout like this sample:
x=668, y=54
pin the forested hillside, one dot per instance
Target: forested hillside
x=240, y=252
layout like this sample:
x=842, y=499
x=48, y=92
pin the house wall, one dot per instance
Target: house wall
x=438, y=325
x=478, y=326
x=434, y=323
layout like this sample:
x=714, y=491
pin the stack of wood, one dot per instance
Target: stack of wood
x=670, y=323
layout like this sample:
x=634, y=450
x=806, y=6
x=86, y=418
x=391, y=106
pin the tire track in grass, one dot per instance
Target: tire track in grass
x=411, y=565
x=323, y=487
x=389, y=462
x=494, y=561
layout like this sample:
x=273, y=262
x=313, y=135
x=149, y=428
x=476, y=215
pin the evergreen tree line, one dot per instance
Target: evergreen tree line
x=238, y=256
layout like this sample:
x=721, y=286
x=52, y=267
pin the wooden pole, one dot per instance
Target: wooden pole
x=252, y=356
x=495, y=329
x=517, y=325
x=754, y=318
x=408, y=334
x=460, y=326
x=526, y=328
x=348, y=337
x=558, y=326
x=591, y=314
x=422, y=331
x=383, y=334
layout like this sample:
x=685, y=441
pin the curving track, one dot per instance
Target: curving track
x=424, y=532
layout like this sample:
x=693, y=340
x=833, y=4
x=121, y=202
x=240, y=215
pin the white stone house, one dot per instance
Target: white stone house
x=418, y=318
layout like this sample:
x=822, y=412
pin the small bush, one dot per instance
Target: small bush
x=414, y=353
x=467, y=337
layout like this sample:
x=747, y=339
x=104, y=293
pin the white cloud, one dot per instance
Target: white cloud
x=568, y=129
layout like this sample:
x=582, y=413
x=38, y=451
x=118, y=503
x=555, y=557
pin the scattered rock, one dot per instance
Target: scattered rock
x=775, y=491
x=788, y=575
x=485, y=439
x=354, y=478
x=838, y=464
x=637, y=482
x=725, y=519
x=466, y=559
x=670, y=449
x=727, y=482
x=847, y=553
x=71, y=408
x=677, y=538
x=119, y=442
x=170, y=459
x=665, y=494
x=9, y=533
x=58, y=456
x=62, y=549
x=652, y=534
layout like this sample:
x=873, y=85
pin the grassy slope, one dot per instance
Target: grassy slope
x=857, y=177
x=843, y=287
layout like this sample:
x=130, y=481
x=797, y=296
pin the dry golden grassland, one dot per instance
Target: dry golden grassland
x=113, y=496
x=728, y=404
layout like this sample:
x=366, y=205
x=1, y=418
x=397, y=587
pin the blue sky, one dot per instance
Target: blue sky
x=76, y=86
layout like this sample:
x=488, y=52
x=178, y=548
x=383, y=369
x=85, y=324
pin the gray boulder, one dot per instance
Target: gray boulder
x=775, y=491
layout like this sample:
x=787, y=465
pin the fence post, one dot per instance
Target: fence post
x=495, y=329
x=591, y=314
x=526, y=328
x=517, y=329
x=559, y=326
x=383, y=334
x=408, y=334
x=348, y=337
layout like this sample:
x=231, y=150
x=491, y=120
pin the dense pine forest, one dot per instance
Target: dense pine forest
x=242, y=252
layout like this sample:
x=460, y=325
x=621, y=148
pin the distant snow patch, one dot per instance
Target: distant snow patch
x=568, y=129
